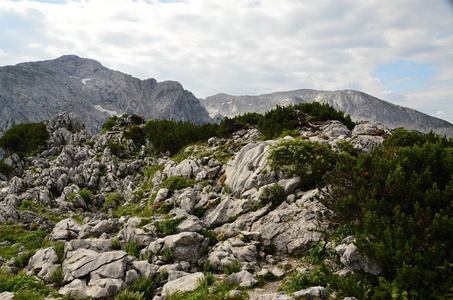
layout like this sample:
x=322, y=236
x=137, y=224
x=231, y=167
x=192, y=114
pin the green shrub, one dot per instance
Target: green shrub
x=86, y=195
x=116, y=148
x=310, y=161
x=19, y=236
x=5, y=169
x=116, y=244
x=274, y=194
x=56, y=277
x=22, y=285
x=167, y=226
x=233, y=267
x=129, y=295
x=132, y=248
x=136, y=134
x=398, y=202
x=177, y=183
x=145, y=286
x=25, y=139
x=108, y=125
x=23, y=258
x=59, y=249
x=112, y=200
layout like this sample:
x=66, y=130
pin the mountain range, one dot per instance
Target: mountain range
x=36, y=91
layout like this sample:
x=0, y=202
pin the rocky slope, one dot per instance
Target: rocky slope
x=360, y=106
x=221, y=216
x=36, y=91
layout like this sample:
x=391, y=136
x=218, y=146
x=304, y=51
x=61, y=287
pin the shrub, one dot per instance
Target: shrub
x=274, y=194
x=177, y=183
x=116, y=148
x=59, y=249
x=112, y=200
x=116, y=244
x=22, y=285
x=144, y=286
x=308, y=160
x=56, y=277
x=129, y=295
x=86, y=195
x=23, y=258
x=108, y=125
x=25, y=139
x=168, y=226
x=132, y=248
x=5, y=169
x=233, y=267
x=397, y=201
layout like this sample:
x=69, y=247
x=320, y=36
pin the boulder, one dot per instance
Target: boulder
x=97, y=245
x=316, y=292
x=354, y=260
x=184, y=246
x=228, y=207
x=186, y=283
x=232, y=250
x=242, y=278
x=66, y=229
x=6, y=296
x=43, y=262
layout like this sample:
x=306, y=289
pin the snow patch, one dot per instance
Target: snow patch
x=84, y=80
x=110, y=112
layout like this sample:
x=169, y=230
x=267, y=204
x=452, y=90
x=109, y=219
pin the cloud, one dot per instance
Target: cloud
x=250, y=47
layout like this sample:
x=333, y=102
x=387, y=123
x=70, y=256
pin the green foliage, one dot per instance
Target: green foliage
x=108, y=125
x=23, y=258
x=167, y=226
x=171, y=136
x=116, y=244
x=129, y=295
x=144, y=286
x=132, y=248
x=25, y=139
x=56, y=277
x=177, y=183
x=317, y=252
x=136, y=133
x=22, y=283
x=116, y=148
x=233, y=267
x=308, y=160
x=274, y=194
x=86, y=195
x=112, y=200
x=19, y=236
x=398, y=202
x=5, y=169
x=59, y=249
x=347, y=147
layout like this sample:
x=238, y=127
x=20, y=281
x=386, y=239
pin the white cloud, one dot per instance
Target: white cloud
x=244, y=47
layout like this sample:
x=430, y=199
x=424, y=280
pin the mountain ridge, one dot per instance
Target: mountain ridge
x=359, y=105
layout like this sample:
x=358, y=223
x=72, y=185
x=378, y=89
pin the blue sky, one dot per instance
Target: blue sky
x=399, y=51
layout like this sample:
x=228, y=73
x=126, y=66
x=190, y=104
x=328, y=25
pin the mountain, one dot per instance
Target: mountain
x=360, y=106
x=36, y=91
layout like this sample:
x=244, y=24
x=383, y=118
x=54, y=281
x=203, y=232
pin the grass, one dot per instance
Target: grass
x=19, y=236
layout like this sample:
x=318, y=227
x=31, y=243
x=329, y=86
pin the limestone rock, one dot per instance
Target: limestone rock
x=183, y=284
x=65, y=230
x=242, y=278
x=316, y=292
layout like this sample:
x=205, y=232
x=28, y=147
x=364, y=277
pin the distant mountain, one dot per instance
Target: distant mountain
x=36, y=91
x=360, y=106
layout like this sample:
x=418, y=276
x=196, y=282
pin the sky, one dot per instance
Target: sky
x=400, y=51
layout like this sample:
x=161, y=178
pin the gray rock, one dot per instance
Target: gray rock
x=43, y=259
x=76, y=288
x=316, y=292
x=83, y=262
x=104, y=287
x=229, y=207
x=184, y=246
x=242, y=278
x=65, y=230
x=6, y=296
x=232, y=250
x=354, y=260
x=183, y=284
x=97, y=245
x=162, y=194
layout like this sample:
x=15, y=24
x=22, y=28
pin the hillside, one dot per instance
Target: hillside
x=36, y=91
x=317, y=211
x=360, y=106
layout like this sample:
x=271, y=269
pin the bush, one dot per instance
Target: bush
x=310, y=161
x=59, y=249
x=108, y=125
x=274, y=194
x=24, y=287
x=168, y=226
x=5, y=169
x=23, y=258
x=86, y=195
x=25, y=139
x=398, y=202
x=177, y=183
x=144, y=286
x=132, y=248
x=56, y=277
x=116, y=244
x=116, y=148
x=129, y=295
x=233, y=267
x=112, y=200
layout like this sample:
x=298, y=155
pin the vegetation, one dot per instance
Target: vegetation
x=177, y=183
x=167, y=226
x=25, y=139
x=24, y=287
x=274, y=194
x=132, y=248
x=19, y=236
x=5, y=169
x=398, y=203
